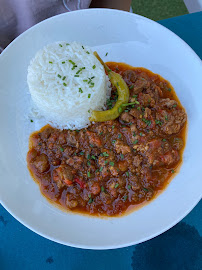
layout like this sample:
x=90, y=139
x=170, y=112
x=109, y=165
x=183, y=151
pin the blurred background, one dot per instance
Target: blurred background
x=153, y=9
x=16, y=16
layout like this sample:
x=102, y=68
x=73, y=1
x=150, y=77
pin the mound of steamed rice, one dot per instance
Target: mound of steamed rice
x=67, y=82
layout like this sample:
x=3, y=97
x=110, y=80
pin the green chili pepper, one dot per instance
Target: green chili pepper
x=123, y=96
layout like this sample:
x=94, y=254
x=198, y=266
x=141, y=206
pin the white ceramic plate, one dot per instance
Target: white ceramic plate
x=127, y=38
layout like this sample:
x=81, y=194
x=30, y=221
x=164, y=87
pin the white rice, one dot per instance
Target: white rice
x=63, y=94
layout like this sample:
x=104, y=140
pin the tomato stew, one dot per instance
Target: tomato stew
x=108, y=167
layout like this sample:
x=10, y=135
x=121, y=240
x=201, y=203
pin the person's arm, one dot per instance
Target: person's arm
x=116, y=4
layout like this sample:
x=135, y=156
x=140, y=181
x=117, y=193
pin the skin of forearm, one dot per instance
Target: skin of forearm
x=114, y=4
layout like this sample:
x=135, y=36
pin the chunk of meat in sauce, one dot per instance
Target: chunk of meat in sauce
x=75, y=161
x=135, y=113
x=94, y=139
x=63, y=175
x=126, y=118
x=71, y=139
x=139, y=85
x=170, y=158
x=71, y=201
x=175, y=122
x=41, y=163
x=129, y=77
x=94, y=187
x=121, y=147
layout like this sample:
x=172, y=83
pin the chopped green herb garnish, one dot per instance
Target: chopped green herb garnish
x=101, y=168
x=63, y=62
x=97, y=170
x=88, y=111
x=135, y=142
x=148, y=122
x=80, y=90
x=120, y=109
x=74, y=67
x=106, y=54
x=105, y=154
x=61, y=149
x=101, y=133
x=166, y=117
x=119, y=136
x=131, y=87
x=67, y=44
x=90, y=200
x=158, y=122
x=59, y=76
x=141, y=134
x=50, y=62
x=129, y=186
x=113, y=141
x=111, y=163
x=72, y=62
x=127, y=173
x=116, y=185
x=64, y=78
x=31, y=121
x=94, y=66
x=60, y=45
x=85, y=80
x=169, y=89
x=134, y=134
x=82, y=47
x=88, y=174
x=93, y=157
x=82, y=153
x=87, y=52
x=88, y=156
x=145, y=189
x=80, y=70
x=89, y=95
x=88, y=162
x=122, y=156
x=64, y=84
x=91, y=145
x=76, y=75
x=117, y=84
x=125, y=197
x=164, y=140
x=172, y=171
x=102, y=189
x=138, y=108
x=106, y=161
x=175, y=105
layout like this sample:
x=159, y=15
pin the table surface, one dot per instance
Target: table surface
x=178, y=248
